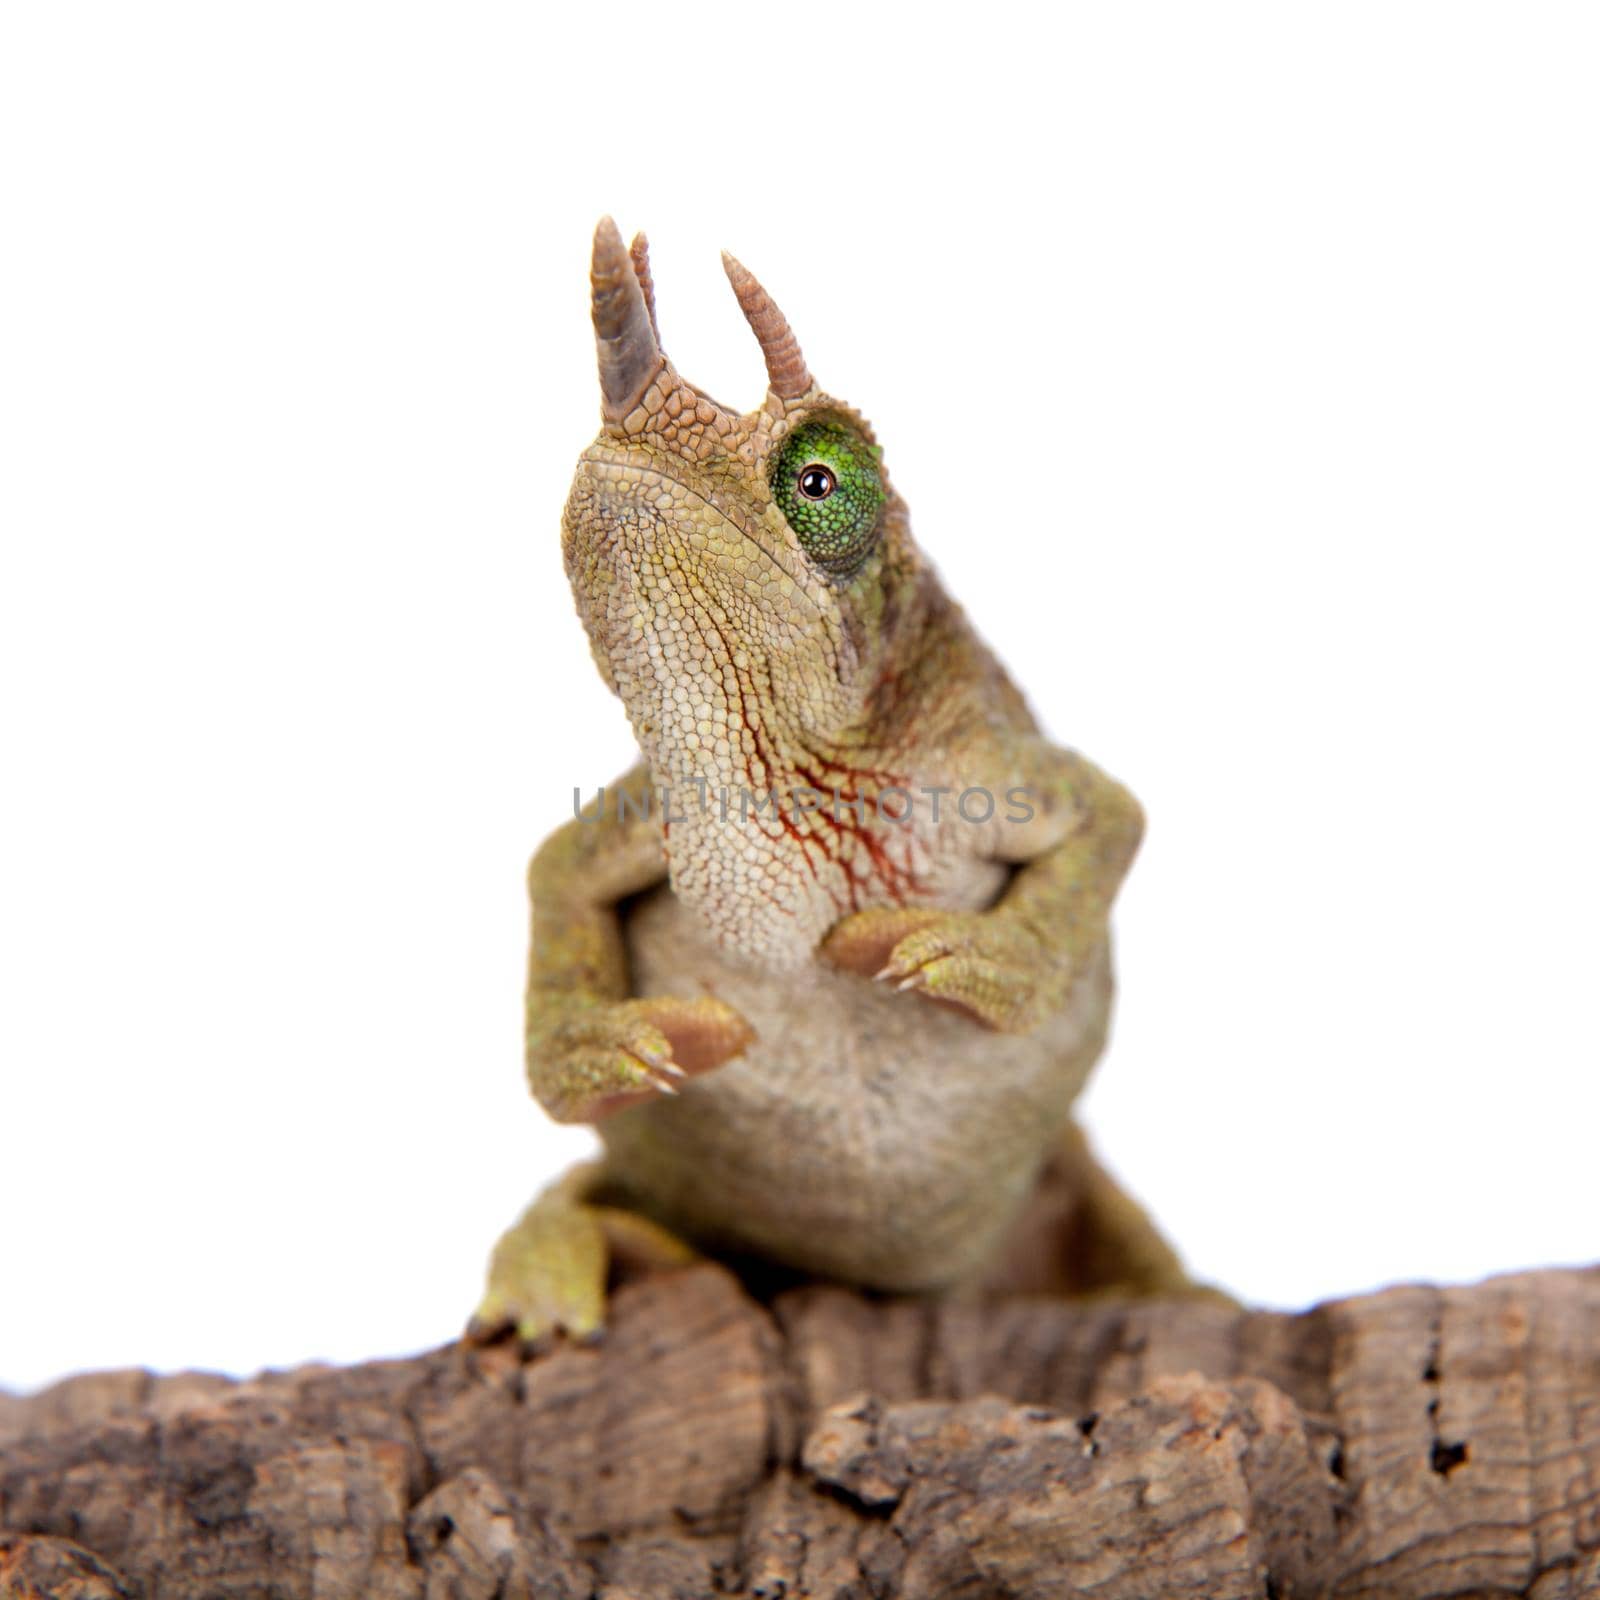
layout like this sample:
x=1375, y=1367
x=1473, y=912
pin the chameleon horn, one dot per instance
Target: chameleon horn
x=639, y=253
x=786, y=367
x=624, y=339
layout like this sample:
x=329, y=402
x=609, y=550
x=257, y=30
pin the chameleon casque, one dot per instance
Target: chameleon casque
x=829, y=966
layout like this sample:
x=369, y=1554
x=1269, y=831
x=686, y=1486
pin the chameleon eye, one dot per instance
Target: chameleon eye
x=815, y=482
x=826, y=482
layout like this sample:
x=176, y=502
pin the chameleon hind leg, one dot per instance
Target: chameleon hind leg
x=1084, y=1234
x=1112, y=1243
x=548, y=1273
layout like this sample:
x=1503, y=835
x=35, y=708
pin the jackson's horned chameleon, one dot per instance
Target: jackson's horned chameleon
x=828, y=967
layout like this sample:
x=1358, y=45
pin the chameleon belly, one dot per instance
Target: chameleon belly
x=866, y=1135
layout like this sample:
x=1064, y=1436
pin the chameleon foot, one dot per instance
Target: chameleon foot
x=990, y=963
x=588, y=1058
x=548, y=1273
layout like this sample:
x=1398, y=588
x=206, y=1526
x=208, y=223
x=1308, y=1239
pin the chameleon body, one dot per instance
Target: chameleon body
x=828, y=967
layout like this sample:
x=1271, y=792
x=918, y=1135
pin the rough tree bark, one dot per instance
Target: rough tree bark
x=1418, y=1442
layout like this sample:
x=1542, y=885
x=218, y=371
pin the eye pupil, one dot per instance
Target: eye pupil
x=815, y=482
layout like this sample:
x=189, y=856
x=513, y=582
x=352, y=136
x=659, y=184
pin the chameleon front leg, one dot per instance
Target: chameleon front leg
x=592, y=1049
x=1013, y=965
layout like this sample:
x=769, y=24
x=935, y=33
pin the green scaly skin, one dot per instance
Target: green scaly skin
x=721, y=993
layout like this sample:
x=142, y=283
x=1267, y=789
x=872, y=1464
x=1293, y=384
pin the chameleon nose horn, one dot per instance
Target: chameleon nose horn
x=624, y=329
x=786, y=367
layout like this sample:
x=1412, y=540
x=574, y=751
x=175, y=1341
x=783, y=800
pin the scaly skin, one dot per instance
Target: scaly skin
x=752, y=592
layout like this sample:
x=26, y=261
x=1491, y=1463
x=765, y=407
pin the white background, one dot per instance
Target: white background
x=1240, y=366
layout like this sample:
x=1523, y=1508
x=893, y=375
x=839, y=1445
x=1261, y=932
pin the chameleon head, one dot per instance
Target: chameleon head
x=741, y=576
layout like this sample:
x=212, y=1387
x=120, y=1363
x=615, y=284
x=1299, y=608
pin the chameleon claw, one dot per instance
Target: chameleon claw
x=664, y=1073
x=660, y=1081
x=885, y=975
x=915, y=981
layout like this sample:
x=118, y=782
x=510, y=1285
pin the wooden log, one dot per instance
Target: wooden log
x=1417, y=1442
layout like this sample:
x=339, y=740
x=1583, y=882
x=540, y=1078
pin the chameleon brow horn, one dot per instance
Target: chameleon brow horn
x=786, y=367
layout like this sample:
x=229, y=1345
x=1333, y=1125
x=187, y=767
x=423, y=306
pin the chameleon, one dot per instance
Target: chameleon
x=829, y=964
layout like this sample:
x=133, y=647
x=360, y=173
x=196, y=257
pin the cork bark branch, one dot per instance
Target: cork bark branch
x=1416, y=1442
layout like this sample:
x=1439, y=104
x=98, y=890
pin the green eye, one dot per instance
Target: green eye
x=826, y=482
